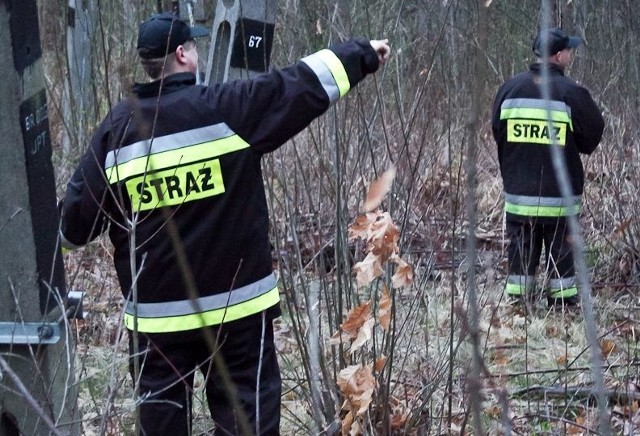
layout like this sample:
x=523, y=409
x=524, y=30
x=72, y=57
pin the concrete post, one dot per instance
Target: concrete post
x=79, y=103
x=37, y=394
x=241, y=39
x=192, y=11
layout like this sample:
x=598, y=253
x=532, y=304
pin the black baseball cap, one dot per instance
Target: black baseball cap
x=557, y=40
x=162, y=33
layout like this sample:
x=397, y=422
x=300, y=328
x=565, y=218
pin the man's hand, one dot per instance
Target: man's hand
x=381, y=46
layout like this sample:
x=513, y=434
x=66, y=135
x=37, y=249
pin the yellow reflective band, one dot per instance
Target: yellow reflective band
x=542, y=211
x=337, y=70
x=514, y=289
x=563, y=293
x=537, y=132
x=204, y=319
x=171, y=158
x=176, y=185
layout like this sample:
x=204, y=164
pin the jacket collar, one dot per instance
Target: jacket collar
x=553, y=68
x=169, y=84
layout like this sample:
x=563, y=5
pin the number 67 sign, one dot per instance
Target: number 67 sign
x=252, y=45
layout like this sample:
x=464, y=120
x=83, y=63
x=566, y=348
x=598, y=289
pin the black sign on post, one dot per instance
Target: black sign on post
x=252, y=45
x=241, y=39
x=37, y=148
x=25, y=36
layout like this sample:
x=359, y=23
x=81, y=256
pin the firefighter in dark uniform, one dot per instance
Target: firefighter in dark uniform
x=174, y=174
x=525, y=126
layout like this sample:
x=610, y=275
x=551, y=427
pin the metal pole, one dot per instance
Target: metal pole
x=79, y=103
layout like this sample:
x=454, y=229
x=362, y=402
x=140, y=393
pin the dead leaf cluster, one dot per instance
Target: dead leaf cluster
x=357, y=383
x=358, y=327
x=381, y=236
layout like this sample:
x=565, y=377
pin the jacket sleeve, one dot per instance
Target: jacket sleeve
x=587, y=120
x=495, y=122
x=495, y=114
x=271, y=108
x=83, y=215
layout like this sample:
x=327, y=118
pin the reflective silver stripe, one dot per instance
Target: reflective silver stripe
x=526, y=200
x=521, y=280
x=563, y=283
x=166, y=143
x=203, y=304
x=535, y=103
x=322, y=70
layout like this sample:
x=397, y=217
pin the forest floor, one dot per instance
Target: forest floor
x=536, y=376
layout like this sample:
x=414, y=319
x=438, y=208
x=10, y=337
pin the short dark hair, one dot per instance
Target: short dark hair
x=156, y=67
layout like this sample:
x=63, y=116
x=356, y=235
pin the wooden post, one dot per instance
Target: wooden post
x=37, y=394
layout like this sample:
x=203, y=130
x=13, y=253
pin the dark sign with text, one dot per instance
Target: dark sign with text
x=34, y=121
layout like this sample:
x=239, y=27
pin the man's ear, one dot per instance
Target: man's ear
x=180, y=55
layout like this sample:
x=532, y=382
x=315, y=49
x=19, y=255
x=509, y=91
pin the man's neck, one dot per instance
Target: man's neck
x=550, y=62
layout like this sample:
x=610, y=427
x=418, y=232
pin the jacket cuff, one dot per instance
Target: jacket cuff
x=358, y=58
x=369, y=63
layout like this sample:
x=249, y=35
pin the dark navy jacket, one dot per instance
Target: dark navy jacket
x=520, y=124
x=185, y=160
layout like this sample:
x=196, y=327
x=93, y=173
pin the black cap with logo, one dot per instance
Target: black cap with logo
x=556, y=39
x=161, y=34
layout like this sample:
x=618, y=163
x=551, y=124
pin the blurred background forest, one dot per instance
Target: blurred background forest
x=428, y=113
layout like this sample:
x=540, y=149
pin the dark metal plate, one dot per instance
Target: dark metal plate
x=34, y=122
x=25, y=35
x=252, y=45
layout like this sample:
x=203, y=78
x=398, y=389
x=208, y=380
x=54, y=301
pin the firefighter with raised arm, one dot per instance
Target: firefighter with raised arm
x=179, y=164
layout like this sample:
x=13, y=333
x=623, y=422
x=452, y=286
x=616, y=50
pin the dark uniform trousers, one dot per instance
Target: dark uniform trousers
x=168, y=363
x=526, y=240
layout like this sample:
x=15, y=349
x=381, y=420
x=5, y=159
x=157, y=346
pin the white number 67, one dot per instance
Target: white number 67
x=254, y=41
